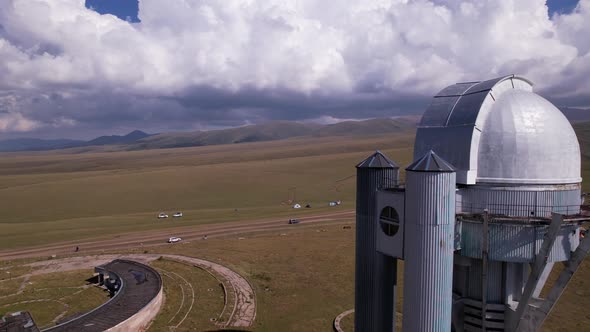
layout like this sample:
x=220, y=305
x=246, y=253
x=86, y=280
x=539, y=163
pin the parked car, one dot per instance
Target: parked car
x=162, y=215
x=293, y=221
x=177, y=215
x=174, y=239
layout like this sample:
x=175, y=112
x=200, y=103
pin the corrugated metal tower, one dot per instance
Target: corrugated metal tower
x=375, y=274
x=429, y=239
x=479, y=238
x=518, y=161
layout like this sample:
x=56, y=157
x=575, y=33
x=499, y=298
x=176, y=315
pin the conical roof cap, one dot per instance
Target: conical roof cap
x=377, y=160
x=430, y=162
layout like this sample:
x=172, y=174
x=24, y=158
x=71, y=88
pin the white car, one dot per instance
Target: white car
x=174, y=239
x=162, y=215
x=177, y=214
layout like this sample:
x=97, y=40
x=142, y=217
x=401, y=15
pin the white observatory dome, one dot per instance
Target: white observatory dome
x=525, y=139
x=500, y=131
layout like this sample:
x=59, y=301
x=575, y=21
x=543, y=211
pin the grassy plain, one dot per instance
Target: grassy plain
x=302, y=279
x=49, y=197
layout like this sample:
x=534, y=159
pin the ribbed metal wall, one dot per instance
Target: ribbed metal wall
x=516, y=275
x=525, y=201
x=494, y=281
x=428, y=266
x=517, y=243
x=375, y=273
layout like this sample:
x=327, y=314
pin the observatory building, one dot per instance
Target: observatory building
x=490, y=204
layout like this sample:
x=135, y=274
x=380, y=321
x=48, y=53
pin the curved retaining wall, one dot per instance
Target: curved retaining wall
x=64, y=326
x=338, y=319
x=141, y=320
x=132, y=308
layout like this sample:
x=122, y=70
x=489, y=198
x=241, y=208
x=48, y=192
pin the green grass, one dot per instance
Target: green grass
x=49, y=198
x=347, y=323
x=53, y=295
x=570, y=312
x=43, y=312
x=305, y=278
x=208, y=300
x=302, y=280
x=11, y=271
x=9, y=286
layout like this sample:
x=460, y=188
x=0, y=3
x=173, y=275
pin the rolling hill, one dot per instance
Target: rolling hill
x=275, y=131
x=118, y=139
x=271, y=131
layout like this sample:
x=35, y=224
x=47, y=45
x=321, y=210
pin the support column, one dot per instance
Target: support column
x=375, y=274
x=429, y=245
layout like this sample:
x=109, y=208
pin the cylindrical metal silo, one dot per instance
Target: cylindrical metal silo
x=429, y=235
x=375, y=275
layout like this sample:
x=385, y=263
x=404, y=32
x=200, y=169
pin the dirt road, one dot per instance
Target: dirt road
x=159, y=237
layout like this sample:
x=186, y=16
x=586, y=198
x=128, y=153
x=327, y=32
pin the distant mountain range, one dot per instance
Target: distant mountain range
x=36, y=144
x=138, y=140
x=576, y=114
x=117, y=139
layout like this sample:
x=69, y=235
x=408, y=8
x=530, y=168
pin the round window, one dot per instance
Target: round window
x=389, y=221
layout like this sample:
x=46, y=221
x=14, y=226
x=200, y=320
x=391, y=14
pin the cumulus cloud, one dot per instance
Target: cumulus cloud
x=10, y=119
x=205, y=62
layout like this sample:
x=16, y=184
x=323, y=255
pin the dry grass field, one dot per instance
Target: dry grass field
x=49, y=197
x=302, y=279
x=194, y=298
x=50, y=297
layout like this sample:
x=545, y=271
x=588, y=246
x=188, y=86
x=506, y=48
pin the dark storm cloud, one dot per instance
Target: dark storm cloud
x=293, y=105
x=204, y=107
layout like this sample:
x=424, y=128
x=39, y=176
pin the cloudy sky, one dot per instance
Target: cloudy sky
x=70, y=69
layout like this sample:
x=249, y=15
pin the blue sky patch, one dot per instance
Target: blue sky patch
x=561, y=6
x=123, y=9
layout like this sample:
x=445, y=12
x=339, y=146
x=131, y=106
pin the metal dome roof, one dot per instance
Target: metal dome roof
x=526, y=139
x=499, y=131
x=430, y=162
x=377, y=160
